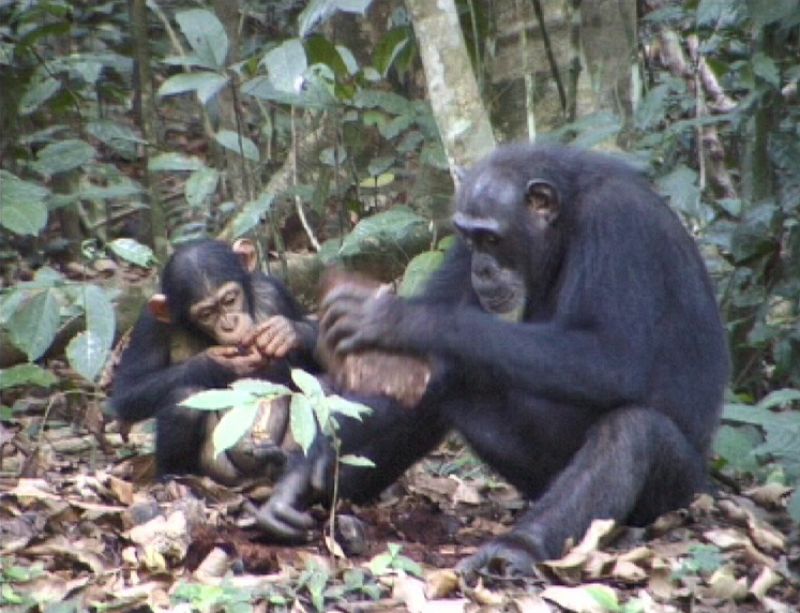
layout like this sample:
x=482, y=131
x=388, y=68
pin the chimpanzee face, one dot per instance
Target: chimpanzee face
x=507, y=225
x=223, y=314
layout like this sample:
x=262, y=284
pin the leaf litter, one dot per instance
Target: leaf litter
x=87, y=526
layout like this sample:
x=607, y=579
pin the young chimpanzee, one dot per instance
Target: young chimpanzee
x=576, y=346
x=217, y=320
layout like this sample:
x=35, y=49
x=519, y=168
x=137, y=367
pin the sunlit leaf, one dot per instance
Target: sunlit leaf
x=205, y=84
x=132, y=251
x=217, y=399
x=261, y=388
x=205, y=34
x=285, y=65
x=307, y=383
x=356, y=410
x=418, y=271
x=318, y=11
x=359, y=461
x=233, y=425
x=39, y=93
x=302, y=422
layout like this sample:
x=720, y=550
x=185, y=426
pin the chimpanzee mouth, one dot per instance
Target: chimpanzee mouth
x=504, y=304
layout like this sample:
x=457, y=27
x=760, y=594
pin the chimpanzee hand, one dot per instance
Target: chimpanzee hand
x=284, y=515
x=354, y=317
x=231, y=359
x=274, y=338
x=510, y=555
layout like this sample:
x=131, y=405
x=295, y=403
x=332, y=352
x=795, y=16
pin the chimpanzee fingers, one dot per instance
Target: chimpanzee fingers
x=333, y=312
x=346, y=292
x=499, y=559
x=283, y=521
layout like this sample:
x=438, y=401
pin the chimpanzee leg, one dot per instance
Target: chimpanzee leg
x=634, y=465
x=179, y=435
x=392, y=437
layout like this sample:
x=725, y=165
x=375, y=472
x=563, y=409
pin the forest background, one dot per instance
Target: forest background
x=330, y=131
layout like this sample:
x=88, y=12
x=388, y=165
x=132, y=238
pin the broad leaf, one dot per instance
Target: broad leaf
x=206, y=35
x=174, y=161
x=307, y=383
x=26, y=374
x=318, y=11
x=39, y=93
x=132, y=251
x=302, y=421
x=261, y=388
x=243, y=146
x=356, y=410
x=87, y=353
x=22, y=205
x=384, y=231
x=285, y=65
x=359, y=461
x=217, y=400
x=233, y=425
x=34, y=325
x=418, y=271
x=200, y=186
x=119, y=137
x=63, y=156
x=252, y=213
x=205, y=84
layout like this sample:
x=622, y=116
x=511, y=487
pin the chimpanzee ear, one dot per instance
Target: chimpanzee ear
x=159, y=308
x=246, y=250
x=542, y=197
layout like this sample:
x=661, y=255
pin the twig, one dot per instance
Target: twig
x=551, y=58
x=297, y=201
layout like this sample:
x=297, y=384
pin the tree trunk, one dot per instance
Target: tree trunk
x=452, y=88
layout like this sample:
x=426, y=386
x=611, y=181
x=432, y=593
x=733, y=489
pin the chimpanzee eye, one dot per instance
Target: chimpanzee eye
x=230, y=298
x=205, y=314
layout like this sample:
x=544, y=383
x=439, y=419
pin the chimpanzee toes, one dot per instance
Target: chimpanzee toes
x=502, y=558
x=285, y=523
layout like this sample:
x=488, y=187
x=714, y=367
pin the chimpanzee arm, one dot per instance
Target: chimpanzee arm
x=145, y=379
x=598, y=346
x=272, y=297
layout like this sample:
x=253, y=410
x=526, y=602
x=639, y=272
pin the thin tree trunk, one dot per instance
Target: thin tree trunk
x=452, y=88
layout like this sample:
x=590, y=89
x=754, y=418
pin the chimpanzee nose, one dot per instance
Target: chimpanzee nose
x=229, y=322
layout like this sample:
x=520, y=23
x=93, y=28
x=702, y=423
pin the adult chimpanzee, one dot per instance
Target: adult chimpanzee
x=217, y=320
x=576, y=346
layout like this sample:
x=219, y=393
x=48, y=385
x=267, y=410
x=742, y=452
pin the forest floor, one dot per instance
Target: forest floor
x=90, y=529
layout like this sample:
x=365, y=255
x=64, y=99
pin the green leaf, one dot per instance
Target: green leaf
x=87, y=354
x=383, y=231
x=100, y=317
x=680, y=186
x=39, y=93
x=320, y=50
x=132, y=251
x=26, y=374
x=389, y=47
x=319, y=11
x=376, y=182
x=285, y=65
x=605, y=596
x=261, y=388
x=35, y=324
x=217, y=400
x=63, y=156
x=418, y=271
x=206, y=35
x=119, y=137
x=174, y=161
x=307, y=383
x=735, y=445
x=766, y=68
x=337, y=404
x=408, y=565
x=230, y=140
x=205, y=84
x=233, y=425
x=765, y=12
x=22, y=205
x=302, y=421
x=779, y=398
x=359, y=461
x=380, y=564
x=252, y=213
x=200, y=186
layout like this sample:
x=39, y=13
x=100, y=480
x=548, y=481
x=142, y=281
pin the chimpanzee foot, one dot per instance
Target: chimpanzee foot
x=509, y=556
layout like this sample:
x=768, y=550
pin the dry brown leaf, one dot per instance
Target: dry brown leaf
x=628, y=572
x=578, y=555
x=531, y=603
x=726, y=538
x=214, y=567
x=440, y=583
x=770, y=495
x=579, y=598
x=465, y=493
x=123, y=490
x=766, y=580
x=723, y=584
x=410, y=591
x=484, y=596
